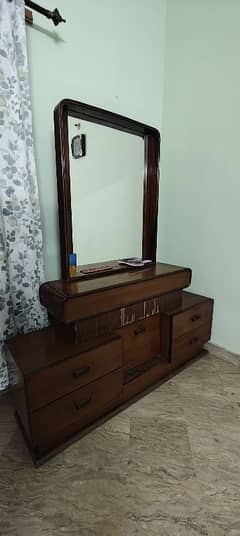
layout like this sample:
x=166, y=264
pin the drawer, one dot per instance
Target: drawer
x=58, y=380
x=115, y=292
x=144, y=375
x=82, y=406
x=190, y=345
x=191, y=319
x=141, y=341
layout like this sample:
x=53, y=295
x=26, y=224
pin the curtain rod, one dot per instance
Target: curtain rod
x=54, y=15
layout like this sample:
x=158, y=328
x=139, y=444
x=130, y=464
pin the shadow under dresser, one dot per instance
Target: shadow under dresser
x=112, y=338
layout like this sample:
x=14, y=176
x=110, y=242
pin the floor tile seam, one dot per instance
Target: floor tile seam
x=195, y=467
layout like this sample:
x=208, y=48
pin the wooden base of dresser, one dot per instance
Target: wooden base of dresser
x=127, y=399
x=72, y=377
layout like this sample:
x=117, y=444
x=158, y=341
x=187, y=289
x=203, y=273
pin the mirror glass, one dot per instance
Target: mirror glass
x=106, y=181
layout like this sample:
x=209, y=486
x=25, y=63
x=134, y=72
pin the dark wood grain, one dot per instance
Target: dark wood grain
x=107, y=323
x=141, y=341
x=68, y=375
x=72, y=289
x=152, y=140
x=73, y=434
x=86, y=306
x=188, y=301
x=71, y=301
x=192, y=318
x=82, y=406
x=66, y=385
x=63, y=182
x=165, y=336
x=189, y=345
x=194, y=312
x=151, y=193
x=33, y=352
x=151, y=372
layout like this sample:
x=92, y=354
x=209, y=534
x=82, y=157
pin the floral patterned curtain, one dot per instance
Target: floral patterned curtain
x=21, y=260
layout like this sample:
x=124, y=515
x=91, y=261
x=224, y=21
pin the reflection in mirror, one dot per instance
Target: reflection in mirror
x=106, y=182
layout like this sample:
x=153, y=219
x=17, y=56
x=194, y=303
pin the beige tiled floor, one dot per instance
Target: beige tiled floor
x=169, y=465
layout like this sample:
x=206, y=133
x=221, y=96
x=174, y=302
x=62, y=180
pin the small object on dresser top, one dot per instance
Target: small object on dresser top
x=96, y=269
x=134, y=262
x=72, y=264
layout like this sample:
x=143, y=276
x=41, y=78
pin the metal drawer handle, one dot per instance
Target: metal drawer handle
x=80, y=372
x=139, y=330
x=195, y=318
x=194, y=340
x=81, y=405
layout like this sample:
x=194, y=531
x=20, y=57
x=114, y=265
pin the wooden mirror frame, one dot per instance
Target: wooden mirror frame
x=152, y=140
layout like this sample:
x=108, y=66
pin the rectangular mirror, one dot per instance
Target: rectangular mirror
x=108, y=170
x=106, y=192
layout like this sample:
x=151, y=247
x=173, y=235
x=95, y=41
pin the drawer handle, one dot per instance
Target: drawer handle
x=139, y=330
x=194, y=340
x=195, y=318
x=80, y=372
x=81, y=405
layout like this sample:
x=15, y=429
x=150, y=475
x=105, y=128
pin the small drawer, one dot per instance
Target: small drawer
x=142, y=376
x=190, y=345
x=82, y=407
x=191, y=319
x=56, y=381
x=141, y=341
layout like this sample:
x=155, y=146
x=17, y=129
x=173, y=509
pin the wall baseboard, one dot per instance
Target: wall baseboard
x=223, y=353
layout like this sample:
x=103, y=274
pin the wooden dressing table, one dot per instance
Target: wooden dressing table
x=112, y=337
x=115, y=337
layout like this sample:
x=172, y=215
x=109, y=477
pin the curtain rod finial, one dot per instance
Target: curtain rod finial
x=56, y=17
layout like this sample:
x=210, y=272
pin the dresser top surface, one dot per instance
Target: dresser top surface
x=189, y=300
x=72, y=289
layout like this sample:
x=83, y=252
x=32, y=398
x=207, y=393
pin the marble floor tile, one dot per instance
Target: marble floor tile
x=163, y=402
x=103, y=454
x=231, y=387
x=224, y=366
x=223, y=354
x=163, y=525
x=200, y=378
x=87, y=506
x=217, y=530
x=169, y=465
x=161, y=446
x=162, y=489
x=208, y=411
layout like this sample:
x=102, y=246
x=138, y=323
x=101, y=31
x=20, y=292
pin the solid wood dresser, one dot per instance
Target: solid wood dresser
x=113, y=337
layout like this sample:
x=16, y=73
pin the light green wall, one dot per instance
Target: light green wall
x=200, y=188
x=110, y=53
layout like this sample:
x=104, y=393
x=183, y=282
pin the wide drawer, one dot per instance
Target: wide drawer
x=56, y=381
x=191, y=319
x=82, y=406
x=141, y=341
x=189, y=345
x=70, y=303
